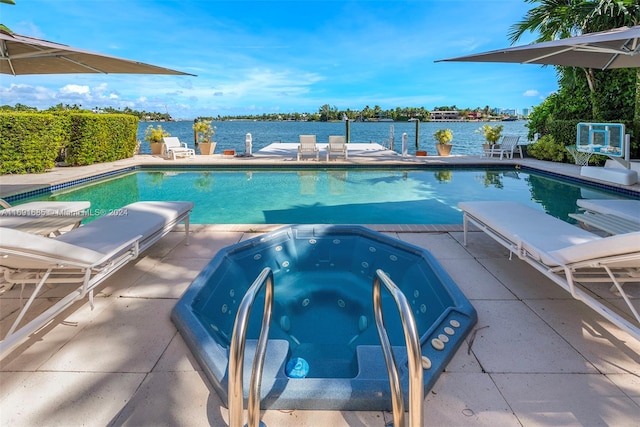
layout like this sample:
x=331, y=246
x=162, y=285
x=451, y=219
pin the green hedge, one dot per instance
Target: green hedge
x=31, y=142
x=99, y=138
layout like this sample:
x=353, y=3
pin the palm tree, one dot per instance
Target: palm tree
x=325, y=112
x=555, y=19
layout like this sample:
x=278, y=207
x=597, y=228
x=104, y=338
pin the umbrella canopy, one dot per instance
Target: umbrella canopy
x=26, y=55
x=617, y=48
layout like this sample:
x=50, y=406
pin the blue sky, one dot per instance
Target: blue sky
x=254, y=57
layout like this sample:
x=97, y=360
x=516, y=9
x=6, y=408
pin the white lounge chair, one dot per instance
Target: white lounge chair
x=337, y=146
x=86, y=255
x=623, y=208
x=308, y=147
x=566, y=254
x=614, y=216
x=43, y=217
x=507, y=147
x=174, y=148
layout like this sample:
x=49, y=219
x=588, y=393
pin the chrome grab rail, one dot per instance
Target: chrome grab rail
x=414, y=355
x=236, y=353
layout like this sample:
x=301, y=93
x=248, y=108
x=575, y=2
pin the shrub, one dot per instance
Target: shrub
x=155, y=134
x=546, y=148
x=491, y=133
x=29, y=142
x=443, y=136
x=98, y=138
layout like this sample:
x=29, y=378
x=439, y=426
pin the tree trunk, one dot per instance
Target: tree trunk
x=591, y=81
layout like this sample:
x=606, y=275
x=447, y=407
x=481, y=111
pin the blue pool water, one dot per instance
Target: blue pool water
x=333, y=196
x=324, y=350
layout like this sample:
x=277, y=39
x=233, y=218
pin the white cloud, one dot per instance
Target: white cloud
x=531, y=92
x=76, y=89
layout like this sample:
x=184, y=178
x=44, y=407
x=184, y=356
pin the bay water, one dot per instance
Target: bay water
x=230, y=135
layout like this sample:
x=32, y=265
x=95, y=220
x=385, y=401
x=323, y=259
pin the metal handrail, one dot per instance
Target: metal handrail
x=236, y=353
x=414, y=355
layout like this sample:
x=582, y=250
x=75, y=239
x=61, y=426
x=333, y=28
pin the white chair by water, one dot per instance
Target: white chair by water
x=174, y=148
x=507, y=147
x=337, y=146
x=308, y=147
x=86, y=256
x=568, y=255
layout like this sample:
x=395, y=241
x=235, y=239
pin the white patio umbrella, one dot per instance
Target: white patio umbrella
x=27, y=55
x=617, y=48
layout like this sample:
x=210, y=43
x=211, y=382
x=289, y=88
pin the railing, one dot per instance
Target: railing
x=414, y=356
x=236, y=353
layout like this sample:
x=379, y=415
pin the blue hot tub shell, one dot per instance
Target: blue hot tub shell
x=322, y=312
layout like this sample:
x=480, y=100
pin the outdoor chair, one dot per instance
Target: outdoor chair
x=308, y=147
x=44, y=218
x=85, y=256
x=337, y=146
x=507, y=147
x=613, y=216
x=568, y=255
x=174, y=148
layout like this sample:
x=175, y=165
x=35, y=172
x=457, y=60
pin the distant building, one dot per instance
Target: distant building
x=505, y=111
x=444, y=115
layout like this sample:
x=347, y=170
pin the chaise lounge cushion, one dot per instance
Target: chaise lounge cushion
x=618, y=244
x=41, y=246
x=627, y=209
x=45, y=208
x=141, y=218
x=539, y=232
x=572, y=257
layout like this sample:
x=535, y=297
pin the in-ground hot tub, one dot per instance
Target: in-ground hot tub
x=324, y=350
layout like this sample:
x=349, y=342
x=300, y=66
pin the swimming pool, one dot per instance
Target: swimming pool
x=323, y=318
x=332, y=196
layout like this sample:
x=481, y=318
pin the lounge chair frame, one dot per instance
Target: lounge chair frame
x=174, y=148
x=337, y=146
x=506, y=148
x=617, y=268
x=308, y=147
x=50, y=268
x=613, y=216
x=88, y=275
x=43, y=217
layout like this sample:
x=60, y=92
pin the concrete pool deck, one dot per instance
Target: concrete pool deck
x=537, y=358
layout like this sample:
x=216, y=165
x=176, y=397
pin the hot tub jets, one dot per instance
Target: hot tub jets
x=323, y=351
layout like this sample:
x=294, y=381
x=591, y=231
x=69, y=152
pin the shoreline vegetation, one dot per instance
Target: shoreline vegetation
x=325, y=113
